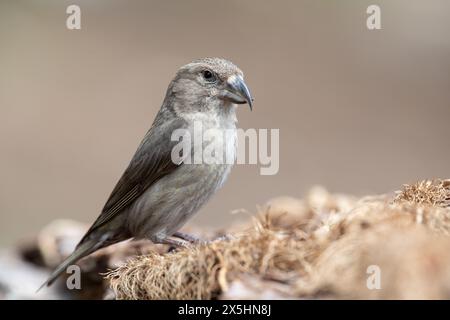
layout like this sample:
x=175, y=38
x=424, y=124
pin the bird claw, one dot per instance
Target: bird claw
x=188, y=237
x=172, y=242
x=225, y=237
x=191, y=239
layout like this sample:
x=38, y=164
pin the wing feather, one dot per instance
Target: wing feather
x=150, y=163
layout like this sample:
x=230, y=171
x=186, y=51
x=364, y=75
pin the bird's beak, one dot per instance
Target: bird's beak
x=237, y=91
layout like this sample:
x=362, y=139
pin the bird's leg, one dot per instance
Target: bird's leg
x=225, y=237
x=194, y=239
x=188, y=237
x=171, y=241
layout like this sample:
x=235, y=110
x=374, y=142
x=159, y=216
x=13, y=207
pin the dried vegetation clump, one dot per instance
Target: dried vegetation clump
x=323, y=246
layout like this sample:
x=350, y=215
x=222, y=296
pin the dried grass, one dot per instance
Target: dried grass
x=318, y=247
x=431, y=192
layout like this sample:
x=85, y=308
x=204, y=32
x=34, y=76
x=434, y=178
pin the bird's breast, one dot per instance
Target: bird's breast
x=212, y=140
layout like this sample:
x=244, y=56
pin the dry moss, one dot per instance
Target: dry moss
x=319, y=247
x=431, y=192
x=204, y=271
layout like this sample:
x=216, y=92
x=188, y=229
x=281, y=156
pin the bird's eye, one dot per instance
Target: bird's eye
x=209, y=76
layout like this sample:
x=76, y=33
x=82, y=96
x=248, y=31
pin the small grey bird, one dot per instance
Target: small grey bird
x=155, y=195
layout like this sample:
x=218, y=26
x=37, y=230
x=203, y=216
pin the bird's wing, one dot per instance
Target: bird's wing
x=151, y=161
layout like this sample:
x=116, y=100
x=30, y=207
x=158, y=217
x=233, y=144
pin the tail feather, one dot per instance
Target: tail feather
x=81, y=251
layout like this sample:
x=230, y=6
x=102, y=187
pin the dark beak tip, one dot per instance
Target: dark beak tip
x=250, y=103
x=239, y=88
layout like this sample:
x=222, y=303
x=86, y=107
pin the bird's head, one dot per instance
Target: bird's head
x=210, y=81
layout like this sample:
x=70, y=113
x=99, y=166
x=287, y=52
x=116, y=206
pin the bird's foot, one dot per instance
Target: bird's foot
x=196, y=240
x=189, y=238
x=173, y=242
x=184, y=240
x=225, y=237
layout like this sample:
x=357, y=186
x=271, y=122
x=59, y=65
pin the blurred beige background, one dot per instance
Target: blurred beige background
x=359, y=111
